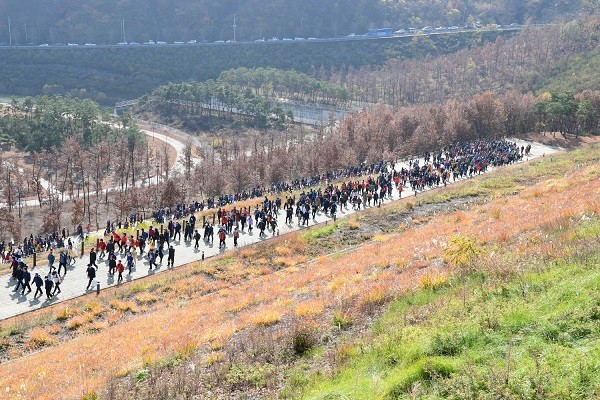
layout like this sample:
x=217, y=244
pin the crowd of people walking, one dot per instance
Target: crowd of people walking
x=296, y=202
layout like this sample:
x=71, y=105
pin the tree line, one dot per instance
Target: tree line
x=217, y=99
x=520, y=63
x=286, y=84
x=47, y=122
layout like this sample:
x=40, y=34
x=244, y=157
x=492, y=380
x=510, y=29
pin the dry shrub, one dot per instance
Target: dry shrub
x=65, y=313
x=146, y=298
x=247, y=253
x=337, y=284
x=459, y=216
x=54, y=329
x=97, y=326
x=113, y=317
x=283, y=262
x=342, y=354
x=342, y=319
x=266, y=318
x=304, y=338
x=283, y=251
x=353, y=225
x=433, y=281
x=124, y=306
x=503, y=236
x=38, y=337
x=409, y=205
x=374, y=297
x=79, y=320
x=310, y=308
x=95, y=308
x=496, y=213
x=215, y=357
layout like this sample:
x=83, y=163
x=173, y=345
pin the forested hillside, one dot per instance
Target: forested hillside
x=100, y=21
x=112, y=74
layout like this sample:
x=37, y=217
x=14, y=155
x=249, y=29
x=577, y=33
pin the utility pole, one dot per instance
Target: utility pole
x=123, y=29
x=26, y=36
x=9, y=33
x=234, y=29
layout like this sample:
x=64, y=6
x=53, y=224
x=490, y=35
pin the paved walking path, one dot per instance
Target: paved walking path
x=13, y=303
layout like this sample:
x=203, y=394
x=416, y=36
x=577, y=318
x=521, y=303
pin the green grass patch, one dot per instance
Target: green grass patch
x=320, y=232
x=530, y=335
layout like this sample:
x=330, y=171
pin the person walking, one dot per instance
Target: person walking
x=160, y=252
x=222, y=236
x=19, y=276
x=48, y=284
x=152, y=259
x=57, y=281
x=51, y=259
x=91, y=274
x=171, y=257
x=197, y=239
x=26, y=280
x=130, y=261
x=112, y=263
x=93, y=257
x=236, y=236
x=120, y=269
x=62, y=261
x=38, y=282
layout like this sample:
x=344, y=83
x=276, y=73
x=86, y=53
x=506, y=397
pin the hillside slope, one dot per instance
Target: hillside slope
x=240, y=324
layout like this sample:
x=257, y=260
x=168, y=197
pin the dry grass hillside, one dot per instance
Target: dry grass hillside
x=238, y=323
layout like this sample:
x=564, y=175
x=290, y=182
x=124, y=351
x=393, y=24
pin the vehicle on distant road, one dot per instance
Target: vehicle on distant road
x=381, y=32
x=193, y=41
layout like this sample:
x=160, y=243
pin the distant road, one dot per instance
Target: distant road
x=135, y=45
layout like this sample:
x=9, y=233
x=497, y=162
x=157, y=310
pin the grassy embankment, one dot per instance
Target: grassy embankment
x=527, y=332
x=194, y=314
